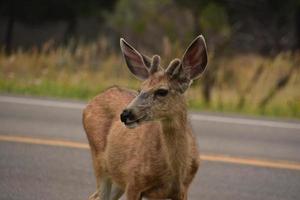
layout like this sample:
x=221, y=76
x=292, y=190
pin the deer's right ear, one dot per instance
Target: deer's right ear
x=194, y=60
x=137, y=63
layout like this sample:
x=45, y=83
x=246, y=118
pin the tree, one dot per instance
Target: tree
x=211, y=19
x=33, y=12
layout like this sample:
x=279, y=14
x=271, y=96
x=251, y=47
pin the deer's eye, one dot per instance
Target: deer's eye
x=161, y=92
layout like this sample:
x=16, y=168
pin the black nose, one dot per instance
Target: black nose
x=126, y=114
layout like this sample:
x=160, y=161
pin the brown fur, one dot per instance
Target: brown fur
x=158, y=159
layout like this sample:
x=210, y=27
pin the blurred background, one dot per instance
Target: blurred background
x=55, y=55
x=70, y=49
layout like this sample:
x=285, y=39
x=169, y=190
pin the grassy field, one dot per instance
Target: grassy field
x=242, y=82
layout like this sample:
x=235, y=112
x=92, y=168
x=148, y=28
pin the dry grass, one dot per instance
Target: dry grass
x=91, y=68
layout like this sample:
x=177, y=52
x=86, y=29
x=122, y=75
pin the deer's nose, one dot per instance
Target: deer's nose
x=127, y=114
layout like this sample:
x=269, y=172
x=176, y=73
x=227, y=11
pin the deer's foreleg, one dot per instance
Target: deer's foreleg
x=116, y=192
x=103, y=190
x=133, y=193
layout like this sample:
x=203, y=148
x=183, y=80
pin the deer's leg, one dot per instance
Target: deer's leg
x=94, y=196
x=184, y=194
x=116, y=192
x=133, y=193
x=103, y=183
x=181, y=194
x=103, y=190
x=180, y=198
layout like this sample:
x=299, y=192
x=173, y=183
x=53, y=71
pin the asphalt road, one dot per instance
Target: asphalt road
x=243, y=158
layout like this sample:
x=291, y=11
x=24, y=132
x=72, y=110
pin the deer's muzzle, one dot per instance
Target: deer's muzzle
x=130, y=119
x=127, y=115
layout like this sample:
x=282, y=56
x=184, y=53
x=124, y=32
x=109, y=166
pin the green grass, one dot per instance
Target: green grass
x=49, y=88
x=84, y=74
x=290, y=111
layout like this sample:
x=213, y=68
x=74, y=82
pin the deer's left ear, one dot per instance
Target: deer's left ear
x=138, y=64
x=194, y=60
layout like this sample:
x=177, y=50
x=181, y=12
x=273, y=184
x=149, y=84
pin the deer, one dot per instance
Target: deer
x=142, y=143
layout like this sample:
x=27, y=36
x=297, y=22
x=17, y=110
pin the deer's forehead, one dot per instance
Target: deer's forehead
x=156, y=80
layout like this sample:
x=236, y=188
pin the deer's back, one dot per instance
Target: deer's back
x=102, y=112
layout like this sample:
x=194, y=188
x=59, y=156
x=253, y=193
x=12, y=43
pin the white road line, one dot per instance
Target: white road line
x=197, y=117
x=39, y=102
x=249, y=122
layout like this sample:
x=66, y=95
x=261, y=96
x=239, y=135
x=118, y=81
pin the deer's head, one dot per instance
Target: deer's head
x=162, y=89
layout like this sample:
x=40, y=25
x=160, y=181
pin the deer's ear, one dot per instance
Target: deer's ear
x=194, y=60
x=137, y=63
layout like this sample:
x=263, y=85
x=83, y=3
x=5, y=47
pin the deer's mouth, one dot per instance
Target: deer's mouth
x=136, y=122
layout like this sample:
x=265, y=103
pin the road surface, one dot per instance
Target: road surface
x=44, y=154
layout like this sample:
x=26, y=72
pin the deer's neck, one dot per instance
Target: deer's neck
x=176, y=138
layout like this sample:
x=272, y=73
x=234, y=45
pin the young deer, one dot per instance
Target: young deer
x=142, y=144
